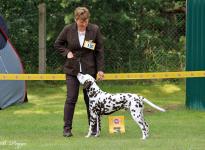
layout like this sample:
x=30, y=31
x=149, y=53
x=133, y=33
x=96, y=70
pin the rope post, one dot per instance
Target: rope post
x=42, y=38
x=195, y=53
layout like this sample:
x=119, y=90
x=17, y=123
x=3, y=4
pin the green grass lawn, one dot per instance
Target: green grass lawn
x=37, y=125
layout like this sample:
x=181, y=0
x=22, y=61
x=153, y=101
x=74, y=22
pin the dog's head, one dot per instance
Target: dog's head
x=86, y=80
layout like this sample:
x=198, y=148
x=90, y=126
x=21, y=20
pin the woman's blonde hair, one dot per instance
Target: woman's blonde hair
x=81, y=13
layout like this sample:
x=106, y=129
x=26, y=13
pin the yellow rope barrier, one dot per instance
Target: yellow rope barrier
x=155, y=75
x=111, y=76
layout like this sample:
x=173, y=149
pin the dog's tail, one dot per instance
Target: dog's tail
x=153, y=105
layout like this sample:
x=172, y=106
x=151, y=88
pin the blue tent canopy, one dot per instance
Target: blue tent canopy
x=11, y=92
x=5, y=29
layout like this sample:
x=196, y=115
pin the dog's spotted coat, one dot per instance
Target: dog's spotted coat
x=102, y=103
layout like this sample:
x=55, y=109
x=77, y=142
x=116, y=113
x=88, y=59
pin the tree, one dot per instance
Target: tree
x=139, y=35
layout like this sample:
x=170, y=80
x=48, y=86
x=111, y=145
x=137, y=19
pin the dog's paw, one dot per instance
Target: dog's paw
x=144, y=138
x=87, y=136
x=97, y=135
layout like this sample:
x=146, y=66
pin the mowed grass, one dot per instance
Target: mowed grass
x=38, y=124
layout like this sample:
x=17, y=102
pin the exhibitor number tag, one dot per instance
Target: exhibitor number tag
x=89, y=45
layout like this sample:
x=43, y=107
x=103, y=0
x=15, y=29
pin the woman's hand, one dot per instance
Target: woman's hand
x=70, y=55
x=100, y=75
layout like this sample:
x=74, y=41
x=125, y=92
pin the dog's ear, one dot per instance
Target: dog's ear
x=87, y=84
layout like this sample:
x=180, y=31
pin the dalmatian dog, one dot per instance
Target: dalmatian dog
x=103, y=103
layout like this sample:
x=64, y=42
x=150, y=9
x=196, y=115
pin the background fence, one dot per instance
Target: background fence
x=139, y=35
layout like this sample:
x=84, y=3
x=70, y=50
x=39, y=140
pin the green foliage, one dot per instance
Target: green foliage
x=22, y=19
x=139, y=35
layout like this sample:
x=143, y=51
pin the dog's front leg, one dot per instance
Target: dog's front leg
x=97, y=126
x=93, y=117
x=89, y=131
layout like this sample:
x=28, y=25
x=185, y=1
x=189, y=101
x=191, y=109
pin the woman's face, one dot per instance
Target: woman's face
x=82, y=24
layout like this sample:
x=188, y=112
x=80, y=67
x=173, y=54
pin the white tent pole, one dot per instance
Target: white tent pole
x=3, y=65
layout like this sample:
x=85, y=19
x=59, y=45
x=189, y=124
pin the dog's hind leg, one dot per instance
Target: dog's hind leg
x=99, y=123
x=137, y=115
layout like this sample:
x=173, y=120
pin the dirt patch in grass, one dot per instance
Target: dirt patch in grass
x=167, y=107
